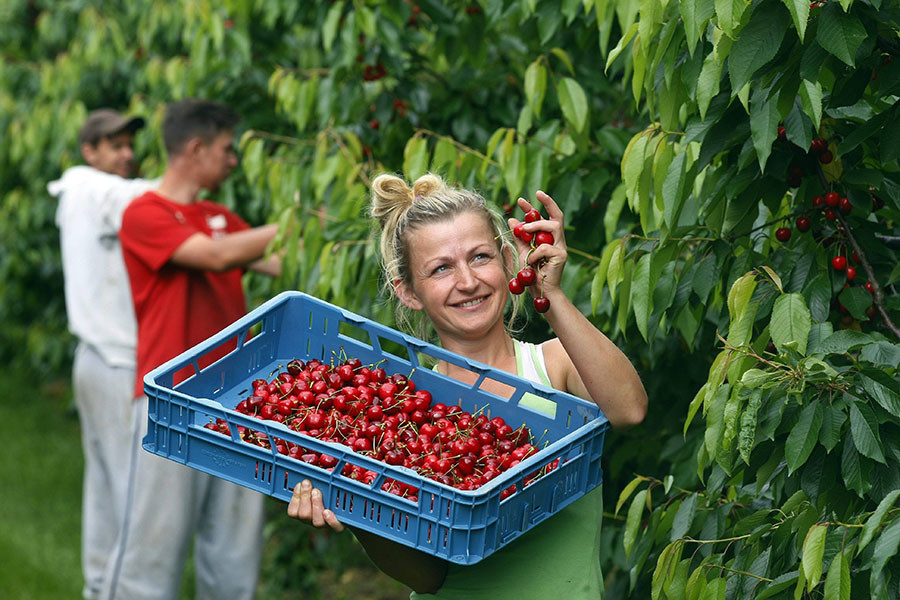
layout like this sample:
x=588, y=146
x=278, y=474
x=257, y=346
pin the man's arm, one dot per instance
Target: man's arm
x=234, y=250
x=267, y=266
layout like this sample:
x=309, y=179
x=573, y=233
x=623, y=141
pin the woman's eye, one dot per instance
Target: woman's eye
x=440, y=269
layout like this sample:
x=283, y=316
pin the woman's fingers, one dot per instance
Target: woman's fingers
x=332, y=520
x=307, y=505
x=553, y=210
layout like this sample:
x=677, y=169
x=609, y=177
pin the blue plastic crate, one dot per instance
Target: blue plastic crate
x=460, y=526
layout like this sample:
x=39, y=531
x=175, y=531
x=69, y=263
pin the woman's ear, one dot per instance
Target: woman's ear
x=406, y=294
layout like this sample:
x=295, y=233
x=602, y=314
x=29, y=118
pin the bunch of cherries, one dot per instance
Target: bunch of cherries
x=386, y=418
x=528, y=275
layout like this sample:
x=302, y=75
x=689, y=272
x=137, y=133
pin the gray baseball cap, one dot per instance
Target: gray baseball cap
x=105, y=122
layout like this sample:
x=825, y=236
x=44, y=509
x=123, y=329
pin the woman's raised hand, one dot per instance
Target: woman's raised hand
x=307, y=505
x=548, y=259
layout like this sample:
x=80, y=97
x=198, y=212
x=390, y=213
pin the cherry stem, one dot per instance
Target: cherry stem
x=787, y=217
x=877, y=293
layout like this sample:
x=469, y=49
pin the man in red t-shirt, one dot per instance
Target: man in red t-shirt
x=185, y=258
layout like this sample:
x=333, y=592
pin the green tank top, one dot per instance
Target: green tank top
x=560, y=558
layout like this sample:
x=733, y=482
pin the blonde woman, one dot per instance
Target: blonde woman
x=447, y=260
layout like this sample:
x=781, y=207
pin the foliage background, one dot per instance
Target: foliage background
x=655, y=125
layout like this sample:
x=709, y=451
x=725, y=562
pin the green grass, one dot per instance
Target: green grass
x=40, y=506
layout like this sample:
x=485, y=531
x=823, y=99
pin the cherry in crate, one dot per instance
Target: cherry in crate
x=385, y=417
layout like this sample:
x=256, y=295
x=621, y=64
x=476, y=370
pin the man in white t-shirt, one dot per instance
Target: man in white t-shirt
x=92, y=198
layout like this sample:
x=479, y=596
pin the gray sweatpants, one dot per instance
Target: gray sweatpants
x=103, y=396
x=168, y=504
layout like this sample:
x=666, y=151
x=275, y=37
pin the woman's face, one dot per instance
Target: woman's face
x=457, y=276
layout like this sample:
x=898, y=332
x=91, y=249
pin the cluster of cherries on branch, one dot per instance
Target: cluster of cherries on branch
x=386, y=418
x=528, y=275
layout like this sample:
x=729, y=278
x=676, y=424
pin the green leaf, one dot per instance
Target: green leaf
x=694, y=15
x=536, y=85
x=616, y=267
x=642, y=294
x=515, y=170
x=633, y=162
x=799, y=10
x=790, y=322
x=864, y=428
x=415, y=158
x=764, y=120
x=840, y=34
x=882, y=353
x=684, y=516
x=445, y=156
x=623, y=43
x=747, y=436
x=833, y=419
x=873, y=523
x=811, y=97
x=695, y=405
x=885, y=549
x=818, y=291
x=758, y=43
x=842, y=341
x=813, y=551
x=864, y=131
x=856, y=300
x=639, y=66
x=740, y=293
x=633, y=520
x=329, y=29
x=802, y=438
x=715, y=421
x=837, y=584
x=879, y=386
x=708, y=82
x=600, y=274
x=651, y=16
x=564, y=58
x=674, y=190
x=573, y=102
x=777, y=585
x=729, y=13
x=613, y=211
x=626, y=492
x=852, y=470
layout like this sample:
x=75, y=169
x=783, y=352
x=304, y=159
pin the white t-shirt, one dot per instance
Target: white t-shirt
x=98, y=295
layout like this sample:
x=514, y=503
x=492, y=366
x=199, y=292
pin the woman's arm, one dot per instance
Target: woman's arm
x=581, y=360
x=411, y=567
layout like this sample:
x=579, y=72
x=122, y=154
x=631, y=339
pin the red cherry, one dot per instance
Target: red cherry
x=830, y=214
x=519, y=232
x=870, y=288
x=818, y=201
x=826, y=157
x=832, y=199
x=783, y=234
x=374, y=124
x=782, y=132
x=541, y=304
x=515, y=286
x=526, y=276
x=851, y=273
x=532, y=215
x=803, y=224
x=839, y=263
x=543, y=237
x=844, y=205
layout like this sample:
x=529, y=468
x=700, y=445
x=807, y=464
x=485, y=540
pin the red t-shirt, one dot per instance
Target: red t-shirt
x=176, y=307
